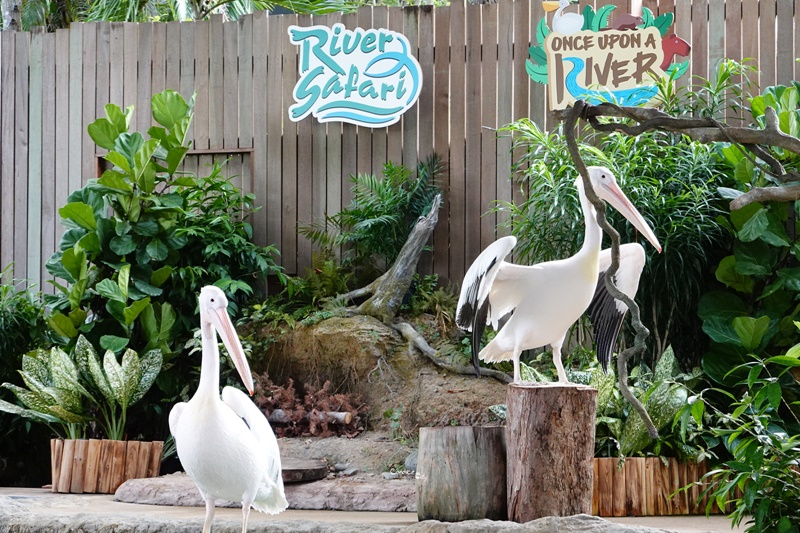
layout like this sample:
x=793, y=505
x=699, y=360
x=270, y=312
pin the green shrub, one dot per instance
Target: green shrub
x=22, y=325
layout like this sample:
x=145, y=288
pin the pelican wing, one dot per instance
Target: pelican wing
x=606, y=312
x=270, y=497
x=175, y=417
x=473, y=309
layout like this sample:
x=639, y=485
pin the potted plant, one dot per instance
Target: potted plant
x=68, y=392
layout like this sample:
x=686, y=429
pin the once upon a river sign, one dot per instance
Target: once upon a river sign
x=364, y=77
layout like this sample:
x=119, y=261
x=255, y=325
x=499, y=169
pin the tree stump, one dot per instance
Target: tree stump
x=550, y=436
x=461, y=473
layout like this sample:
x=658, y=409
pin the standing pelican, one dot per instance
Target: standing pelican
x=226, y=445
x=547, y=298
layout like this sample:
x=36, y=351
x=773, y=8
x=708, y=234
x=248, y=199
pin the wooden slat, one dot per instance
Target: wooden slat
x=596, y=487
x=488, y=125
x=335, y=179
x=618, y=491
x=144, y=90
x=65, y=473
x=733, y=45
x=245, y=96
x=62, y=116
x=505, y=105
x=538, y=92
x=91, y=465
x=394, y=133
x=716, y=38
x=410, y=117
x=305, y=168
x=275, y=117
x=116, y=54
x=750, y=38
x=363, y=135
x=650, y=475
x=56, y=447
x=784, y=52
x=186, y=84
x=380, y=19
x=319, y=162
x=457, y=192
x=258, y=97
x=118, y=457
x=79, y=466
x=216, y=89
x=230, y=85
x=132, y=459
x=699, y=56
x=143, y=459
x=173, y=60
x=605, y=470
x=349, y=137
x=158, y=81
x=154, y=467
x=7, y=85
x=21, y=130
x=89, y=85
x=49, y=217
x=683, y=27
x=635, y=486
x=766, y=52
x=441, y=140
x=426, y=97
x=103, y=61
x=202, y=31
x=473, y=112
x=34, y=156
x=289, y=153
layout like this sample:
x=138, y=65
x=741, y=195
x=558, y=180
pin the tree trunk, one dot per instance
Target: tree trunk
x=11, y=15
x=389, y=290
x=550, y=436
x=461, y=473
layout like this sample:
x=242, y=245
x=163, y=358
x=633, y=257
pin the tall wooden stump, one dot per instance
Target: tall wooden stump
x=550, y=447
x=461, y=473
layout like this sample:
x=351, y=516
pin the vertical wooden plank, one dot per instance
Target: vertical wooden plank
x=92, y=465
x=693, y=494
x=305, y=168
x=750, y=39
x=230, y=85
x=650, y=473
x=784, y=52
x=103, y=61
x=202, y=31
x=349, y=139
x=56, y=449
x=364, y=134
x=683, y=27
x=49, y=160
x=618, y=490
x=663, y=503
x=144, y=89
x=65, y=475
x=699, y=56
x=89, y=83
x=78, y=466
x=62, y=116
x=118, y=456
x=21, y=133
x=155, y=459
x=473, y=112
x=104, y=466
x=716, y=37
x=425, y=108
x=76, y=131
x=34, y=156
x=117, y=64
x=174, y=57
x=216, y=89
x=635, y=486
x=505, y=106
x=319, y=166
x=160, y=53
x=274, y=131
x=257, y=96
x=394, y=133
x=457, y=196
x=596, y=487
x=766, y=25
x=245, y=97
x=143, y=459
x=380, y=19
x=522, y=36
x=289, y=154
x=733, y=45
x=130, y=68
x=132, y=459
x=411, y=117
x=335, y=179
x=538, y=92
x=7, y=86
x=682, y=496
x=606, y=469
x=441, y=140
x=488, y=174
x=186, y=84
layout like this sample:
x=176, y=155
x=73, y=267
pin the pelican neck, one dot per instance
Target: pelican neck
x=209, y=369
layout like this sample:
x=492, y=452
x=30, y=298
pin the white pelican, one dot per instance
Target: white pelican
x=226, y=445
x=547, y=298
x=564, y=23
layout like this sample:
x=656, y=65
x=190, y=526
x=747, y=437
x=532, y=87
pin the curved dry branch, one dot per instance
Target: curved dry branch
x=642, y=332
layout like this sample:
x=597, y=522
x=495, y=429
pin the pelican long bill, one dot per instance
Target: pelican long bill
x=230, y=339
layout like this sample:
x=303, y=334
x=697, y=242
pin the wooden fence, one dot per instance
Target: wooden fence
x=473, y=62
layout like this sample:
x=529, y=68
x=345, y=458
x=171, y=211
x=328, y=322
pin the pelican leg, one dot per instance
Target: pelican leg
x=245, y=513
x=210, y=505
x=517, y=375
x=562, y=375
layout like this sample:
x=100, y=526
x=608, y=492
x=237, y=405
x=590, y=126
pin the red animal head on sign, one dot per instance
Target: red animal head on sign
x=672, y=46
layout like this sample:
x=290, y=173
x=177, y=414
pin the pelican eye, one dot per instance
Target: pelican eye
x=212, y=300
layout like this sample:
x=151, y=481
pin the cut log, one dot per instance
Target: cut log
x=78, y=466
x=65, y=476
x=550, y=434
x=279, y=416
x=92, y=465
x=461, y=473
x=56, y=447
x=297, y=470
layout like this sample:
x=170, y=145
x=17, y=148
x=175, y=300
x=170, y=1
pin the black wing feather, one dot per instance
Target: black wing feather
x=606, y=321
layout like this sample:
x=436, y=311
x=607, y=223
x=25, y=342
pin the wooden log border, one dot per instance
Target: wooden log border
x=101, y=466
x=648, y=486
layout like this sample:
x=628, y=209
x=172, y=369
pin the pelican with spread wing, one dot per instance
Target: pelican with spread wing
x=545, y=299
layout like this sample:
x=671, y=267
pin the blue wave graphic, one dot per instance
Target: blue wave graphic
x=628, y=97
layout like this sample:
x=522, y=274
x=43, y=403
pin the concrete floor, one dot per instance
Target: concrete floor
x=67, y=504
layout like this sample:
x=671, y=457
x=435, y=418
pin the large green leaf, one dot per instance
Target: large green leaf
x=128, y=144
x=722, y=304
x=727, y=274
x=754, y=226
x=721, y=330
x=114, y=180
x=754, y=258
x=89, y=363
x=131, y=373
x=67, y=416
x=663, y=22
x=151, y=362
x=133, y=310
x=175, y=158
x=123, y=244
x=157, y=250
x=116, y=116
x=74, y=261
x=79, y=213
x=662, y=404
x=110, y=290
x=160, y=276
x=62, y=325
x=35, y=364
x=116, y=379
x=103, y=133
x=37, y=416
x=168, y=108
x=751, y=330
x=719, y=364
x=113, y=343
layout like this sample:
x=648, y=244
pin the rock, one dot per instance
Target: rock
x=411, y=461
x=390, y=475
x=551, y=524
x=349, y=472
x=341, y=466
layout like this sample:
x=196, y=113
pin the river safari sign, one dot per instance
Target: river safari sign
x=604, y=56
x=363, y=77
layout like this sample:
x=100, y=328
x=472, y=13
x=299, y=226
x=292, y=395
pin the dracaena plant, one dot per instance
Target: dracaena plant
x=66, y=391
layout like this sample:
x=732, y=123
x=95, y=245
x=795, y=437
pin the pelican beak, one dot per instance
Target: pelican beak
x=614, y=196
x=550, y=5
x=222, y=323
